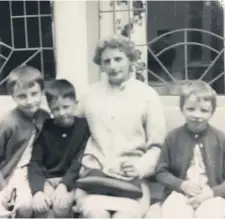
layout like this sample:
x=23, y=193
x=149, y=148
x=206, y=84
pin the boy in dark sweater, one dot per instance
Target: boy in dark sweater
x=18, y=128
x=192, y=162
x=54, y=165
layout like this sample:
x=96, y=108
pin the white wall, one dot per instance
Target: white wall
x=71, y=42
x=76, y=35
x=92, y=39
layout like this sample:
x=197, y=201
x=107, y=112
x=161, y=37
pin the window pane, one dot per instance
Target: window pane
x=5, y=31
x=16, y=59
x=45, y=7
x=36, y=61
x=33, y=32
x=46, y=30
x=21, y=40
x=31, y=7
x=49, y=65
x=189, y=54
x=17, y=8
x=19, y=32
x=5, y=51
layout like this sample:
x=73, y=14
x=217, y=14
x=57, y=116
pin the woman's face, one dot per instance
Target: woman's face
x=116, y=65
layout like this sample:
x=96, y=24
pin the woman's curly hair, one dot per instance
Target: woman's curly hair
x=116, y=41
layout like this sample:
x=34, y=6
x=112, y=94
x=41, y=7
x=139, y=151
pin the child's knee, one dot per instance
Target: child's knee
x=176, y=206
x=96, y=213
x=154, y=211
x=62, y=211
x=211, y=208
x=177, y=210
x=44, y=214
x=40, y=207
x=25, y=209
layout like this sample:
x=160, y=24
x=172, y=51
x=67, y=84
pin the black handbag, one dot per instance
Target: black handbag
x=102, y=182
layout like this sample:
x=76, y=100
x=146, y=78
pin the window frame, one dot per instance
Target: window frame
x=185, y=32
x=35, y=49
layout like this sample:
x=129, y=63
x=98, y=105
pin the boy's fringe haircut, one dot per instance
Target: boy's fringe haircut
x=201, y=89
x=60, y=88
x=24, y=76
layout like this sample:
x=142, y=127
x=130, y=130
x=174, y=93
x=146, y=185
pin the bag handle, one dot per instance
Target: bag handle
x=113, y=175
x=93, y=156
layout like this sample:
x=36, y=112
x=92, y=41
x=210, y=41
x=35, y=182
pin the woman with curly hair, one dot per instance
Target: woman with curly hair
x=127, y=125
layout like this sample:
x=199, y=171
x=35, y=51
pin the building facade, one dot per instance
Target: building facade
x=177, y=41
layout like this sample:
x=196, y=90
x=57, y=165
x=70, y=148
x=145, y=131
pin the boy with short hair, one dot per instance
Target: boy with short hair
x=17, y=131
x=54, y=165
x=191, y=165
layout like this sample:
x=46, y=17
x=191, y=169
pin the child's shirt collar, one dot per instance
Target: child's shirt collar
x=36, y=119
x=197, y=136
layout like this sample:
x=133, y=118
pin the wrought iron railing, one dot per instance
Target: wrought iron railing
x=186, y=43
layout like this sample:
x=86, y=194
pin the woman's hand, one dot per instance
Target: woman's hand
x=128, y=168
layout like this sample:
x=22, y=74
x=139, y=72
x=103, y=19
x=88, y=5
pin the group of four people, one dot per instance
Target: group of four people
x=120, y=121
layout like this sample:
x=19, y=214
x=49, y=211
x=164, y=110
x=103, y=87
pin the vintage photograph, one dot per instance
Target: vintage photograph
x=112, y=109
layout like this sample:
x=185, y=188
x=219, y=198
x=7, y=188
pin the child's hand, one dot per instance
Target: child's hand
x=190, y=188
x=41, y=203
x=61, y=198
x=205, y=195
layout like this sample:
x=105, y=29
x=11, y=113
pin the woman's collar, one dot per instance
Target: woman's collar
x=122, y=86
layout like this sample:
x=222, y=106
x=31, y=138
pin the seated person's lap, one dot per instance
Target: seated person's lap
x=23, y=194
x=51, y=184
x=176, y=206
x=98, y=205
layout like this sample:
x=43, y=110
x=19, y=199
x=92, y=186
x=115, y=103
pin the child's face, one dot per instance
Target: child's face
x=197, y=113
x=63, y=110
x=28, y=99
